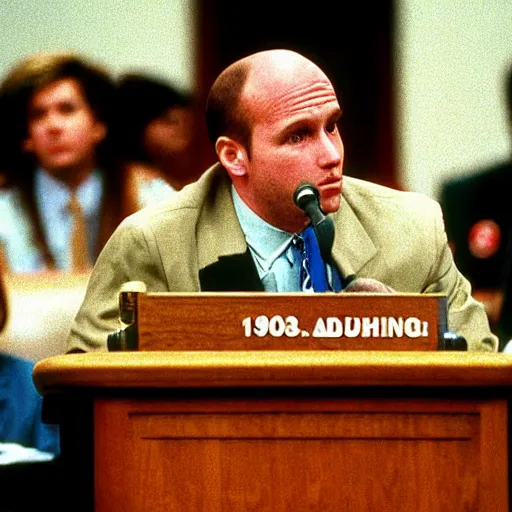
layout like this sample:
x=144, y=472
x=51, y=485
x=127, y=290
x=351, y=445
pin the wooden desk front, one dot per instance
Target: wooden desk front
x=280, y=431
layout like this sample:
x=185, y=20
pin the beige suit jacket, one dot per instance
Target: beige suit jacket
x=194, y=242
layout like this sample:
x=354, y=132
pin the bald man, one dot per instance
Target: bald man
x=272, y=118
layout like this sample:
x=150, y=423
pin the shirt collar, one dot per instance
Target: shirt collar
x=53, y=196
x=266, y=242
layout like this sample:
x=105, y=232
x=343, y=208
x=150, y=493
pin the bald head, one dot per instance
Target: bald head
x=254, y=83
x=273, y=117
x=274, y=71
x=278, y=65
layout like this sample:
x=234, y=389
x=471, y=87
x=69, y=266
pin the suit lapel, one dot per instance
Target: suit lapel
x=233, y=273
x=225, y=263
x=353, y=248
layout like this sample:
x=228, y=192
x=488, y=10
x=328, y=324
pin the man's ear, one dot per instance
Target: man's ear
x=232, y=156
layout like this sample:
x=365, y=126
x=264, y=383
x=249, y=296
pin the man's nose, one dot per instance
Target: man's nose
x=54, y=121
x=331, y=151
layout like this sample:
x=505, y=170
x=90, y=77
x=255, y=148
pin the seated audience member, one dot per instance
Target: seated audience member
x=20, y=408
x=63, y=196
x=28, y=447
x=273, y=119
x=20, y=403
x=154, y=128
x=478, y=224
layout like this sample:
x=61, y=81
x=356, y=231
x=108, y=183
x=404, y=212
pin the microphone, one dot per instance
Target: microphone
x=306, y=197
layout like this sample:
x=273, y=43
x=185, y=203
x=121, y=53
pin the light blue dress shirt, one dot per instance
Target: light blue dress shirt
x=52, y=199
x=271, y=249
x=274, y=253
x=17, y=235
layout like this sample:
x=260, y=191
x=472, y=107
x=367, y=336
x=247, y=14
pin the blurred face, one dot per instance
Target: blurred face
x=168, y=134
x=295, y=138
x=62, y=129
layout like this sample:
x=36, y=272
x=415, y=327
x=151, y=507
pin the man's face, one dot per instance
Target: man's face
x=295, y=138
x=62, y=129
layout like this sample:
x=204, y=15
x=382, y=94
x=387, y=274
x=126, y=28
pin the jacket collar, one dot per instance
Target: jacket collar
x=218, y=230
x=225, y=263
x=223, y=256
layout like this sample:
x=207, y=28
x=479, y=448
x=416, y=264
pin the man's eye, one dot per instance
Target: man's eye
x=68, y=108
x=332, y=127
x=295, y=138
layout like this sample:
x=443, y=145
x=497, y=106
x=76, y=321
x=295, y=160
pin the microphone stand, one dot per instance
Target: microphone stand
x=306, y=197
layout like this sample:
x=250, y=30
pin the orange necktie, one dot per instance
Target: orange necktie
x=79, y=249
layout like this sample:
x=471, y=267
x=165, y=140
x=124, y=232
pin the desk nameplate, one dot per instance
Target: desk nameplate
x=291, y=321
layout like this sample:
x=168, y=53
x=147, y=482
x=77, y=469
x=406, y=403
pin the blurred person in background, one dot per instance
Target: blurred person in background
x=62, y=193
x=20, y=403
x=153, y=130
x=29, y=448
x=478, y=222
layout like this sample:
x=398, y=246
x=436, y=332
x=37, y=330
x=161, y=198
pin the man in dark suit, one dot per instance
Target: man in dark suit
x=478, y=221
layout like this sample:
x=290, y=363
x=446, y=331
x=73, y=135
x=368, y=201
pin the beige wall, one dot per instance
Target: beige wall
x=155, y=35
x=451, y=57
x=449, y=65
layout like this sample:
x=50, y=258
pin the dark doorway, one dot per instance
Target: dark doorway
x=351, y=41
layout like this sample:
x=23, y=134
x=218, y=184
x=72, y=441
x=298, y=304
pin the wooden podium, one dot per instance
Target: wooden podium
x=279, y=430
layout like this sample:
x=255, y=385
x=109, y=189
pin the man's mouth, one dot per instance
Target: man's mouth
x=330, y=179
x=331, y=184
x=55, y=150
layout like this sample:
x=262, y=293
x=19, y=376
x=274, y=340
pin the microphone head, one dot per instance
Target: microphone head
x=304, y=194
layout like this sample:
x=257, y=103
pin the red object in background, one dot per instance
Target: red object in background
x=484, y=239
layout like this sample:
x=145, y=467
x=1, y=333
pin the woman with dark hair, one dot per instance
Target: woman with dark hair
x=153, y=131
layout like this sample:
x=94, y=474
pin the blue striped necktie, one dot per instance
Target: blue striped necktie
x=313, y=272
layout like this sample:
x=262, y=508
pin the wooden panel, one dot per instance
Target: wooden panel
x=301, y=455
x=296, y=426
x=294, y=321
x=494, y=453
